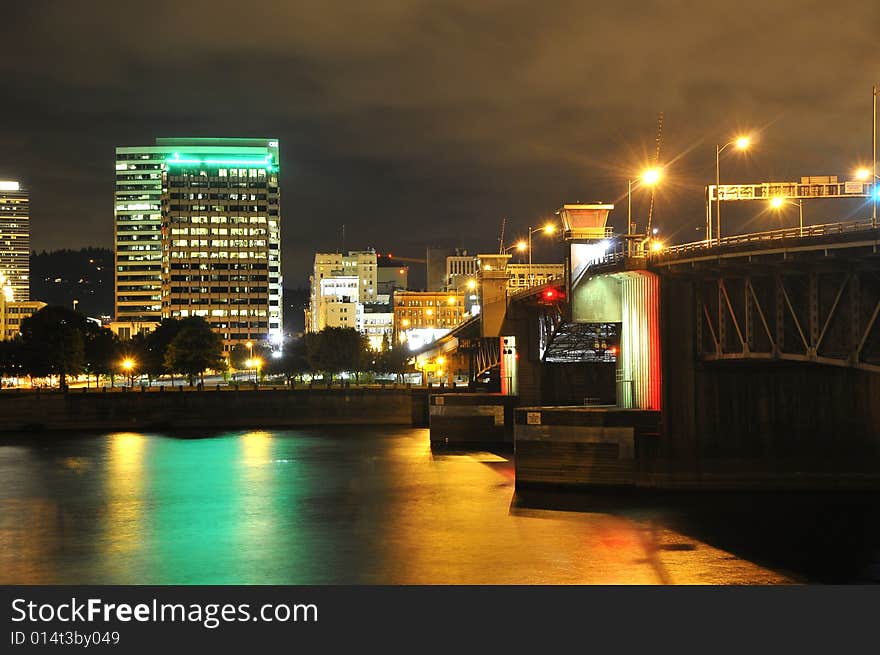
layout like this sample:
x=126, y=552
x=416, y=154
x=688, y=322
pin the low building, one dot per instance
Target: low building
x=421, y=317
x=522, y=276
x=12, y=313
x=126, y=330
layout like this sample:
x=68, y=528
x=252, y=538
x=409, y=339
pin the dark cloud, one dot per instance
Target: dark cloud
x=426, y=122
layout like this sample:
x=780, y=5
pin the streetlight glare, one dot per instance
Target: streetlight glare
x=128, y=363
x=776, y=202
x=471, y=284
x=651, y=176
x=521, y=246
x=743, y=142
x=657, y=246
x=862, y=173
x=549, y=228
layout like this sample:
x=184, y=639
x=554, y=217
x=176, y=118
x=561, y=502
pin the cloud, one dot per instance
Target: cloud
x=411, y=121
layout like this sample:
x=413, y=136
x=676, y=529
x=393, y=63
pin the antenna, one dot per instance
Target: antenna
x=343, y=239
x=656, y=163
x=501, y=240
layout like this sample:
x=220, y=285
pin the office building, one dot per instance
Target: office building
x=15, y=244
x=340, y=285
x=221, y=237
x=421, y=317
x=13, y=312
x=225, y=193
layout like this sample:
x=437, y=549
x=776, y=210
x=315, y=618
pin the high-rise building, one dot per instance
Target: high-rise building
x=224, y=192
x=15, y=239
x=138, y=218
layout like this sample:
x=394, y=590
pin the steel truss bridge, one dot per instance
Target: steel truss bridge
x=802, y=295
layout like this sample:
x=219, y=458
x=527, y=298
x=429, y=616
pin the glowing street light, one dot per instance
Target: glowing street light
x=862, y=174
x=649, y=177
x=548, y=229
x=741, y=143
x=778, y=202
x=128, y=365
x=471, y=284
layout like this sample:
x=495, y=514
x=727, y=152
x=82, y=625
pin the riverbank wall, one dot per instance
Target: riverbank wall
x=189, y=409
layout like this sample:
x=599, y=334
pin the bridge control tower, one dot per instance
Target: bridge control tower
x=621, y=304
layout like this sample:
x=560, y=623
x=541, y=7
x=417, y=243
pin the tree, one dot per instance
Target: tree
x=102, y=350
x=335, y=349
x=53, y=343
x=195, y=348
x=396, y=359
x=11, y=358
x=293, y=362
x=150, y=349
x=239, y=355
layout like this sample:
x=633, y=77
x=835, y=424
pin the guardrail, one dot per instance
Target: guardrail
x=808, y=231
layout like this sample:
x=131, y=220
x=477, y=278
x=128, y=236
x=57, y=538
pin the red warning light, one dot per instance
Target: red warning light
x=550, y=294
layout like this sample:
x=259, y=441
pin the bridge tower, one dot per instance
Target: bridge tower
x=492, y=279
x=625, y=302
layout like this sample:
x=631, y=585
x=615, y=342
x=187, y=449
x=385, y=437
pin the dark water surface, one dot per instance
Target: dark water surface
x=375, y=505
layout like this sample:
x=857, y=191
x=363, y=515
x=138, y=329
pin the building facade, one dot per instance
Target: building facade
x=13, y=312
x=519, y=275
x=231, y=272
x=15, y=243
x=421, y=317
x=137, y=211
x=340, y=286
x=221, y=237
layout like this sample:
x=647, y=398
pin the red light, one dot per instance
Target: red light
x=549, y=293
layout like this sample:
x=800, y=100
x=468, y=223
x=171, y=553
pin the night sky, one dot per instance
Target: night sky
x=423, y=123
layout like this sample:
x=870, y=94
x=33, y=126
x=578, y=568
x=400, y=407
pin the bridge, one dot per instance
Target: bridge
x=757, y=355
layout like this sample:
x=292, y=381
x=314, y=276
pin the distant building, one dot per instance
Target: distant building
x=436, y=267
x=459, y=269
x=339, y=285
x=15, y=243
x=391, y=275
x=421, y=317
x=223, y=192
x=126, y=330
x=518, y=275
x=13, y=312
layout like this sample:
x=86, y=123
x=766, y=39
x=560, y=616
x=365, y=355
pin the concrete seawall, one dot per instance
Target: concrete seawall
x=195, y=410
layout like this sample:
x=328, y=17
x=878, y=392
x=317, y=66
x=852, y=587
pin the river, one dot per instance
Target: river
x=369, y=506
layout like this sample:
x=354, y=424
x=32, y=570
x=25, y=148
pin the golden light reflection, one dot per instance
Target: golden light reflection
x=124, y=518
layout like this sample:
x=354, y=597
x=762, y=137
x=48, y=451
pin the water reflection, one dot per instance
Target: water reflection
x=122, y=523
x=319, y=506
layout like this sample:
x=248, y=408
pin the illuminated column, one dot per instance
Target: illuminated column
x=493, y=293
x=638, y=368
x=509, y=376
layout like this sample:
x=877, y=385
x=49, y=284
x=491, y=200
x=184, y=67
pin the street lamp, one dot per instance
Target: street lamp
x=778, y=202
x=874, y=93
x=128, y=365
x=648, y=177
x=741, y=143
x=548, y=229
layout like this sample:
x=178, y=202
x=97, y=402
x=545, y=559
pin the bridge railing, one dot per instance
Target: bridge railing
x=807, y=231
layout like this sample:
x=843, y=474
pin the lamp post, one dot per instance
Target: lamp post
x=548, y=229
x=778, y=202
x=741, y=143
x=649, y=177
x=128, y=366
x=874, y=92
